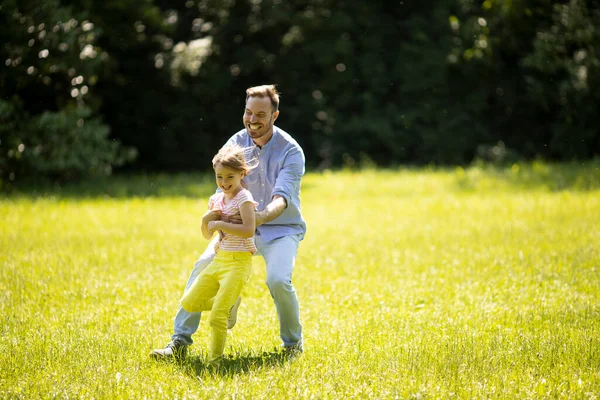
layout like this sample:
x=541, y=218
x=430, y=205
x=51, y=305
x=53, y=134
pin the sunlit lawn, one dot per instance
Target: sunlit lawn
x=414, y=283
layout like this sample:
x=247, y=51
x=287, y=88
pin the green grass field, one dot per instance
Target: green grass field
x=415, y=283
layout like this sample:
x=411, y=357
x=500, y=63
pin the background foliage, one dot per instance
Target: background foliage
x=87, y=86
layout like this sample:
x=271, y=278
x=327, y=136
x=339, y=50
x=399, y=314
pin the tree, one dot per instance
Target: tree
x=534, y=63
x=51, y=67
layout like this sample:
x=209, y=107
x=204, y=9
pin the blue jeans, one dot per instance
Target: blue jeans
x=280, y=257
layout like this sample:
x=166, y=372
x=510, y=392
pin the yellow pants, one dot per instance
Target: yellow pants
x=215, y=290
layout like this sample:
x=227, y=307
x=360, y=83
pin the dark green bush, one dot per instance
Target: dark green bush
x=62, y=145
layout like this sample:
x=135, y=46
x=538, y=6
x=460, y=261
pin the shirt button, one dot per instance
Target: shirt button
x=263, y=184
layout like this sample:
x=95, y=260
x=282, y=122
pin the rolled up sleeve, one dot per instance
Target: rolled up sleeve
x=287, y=184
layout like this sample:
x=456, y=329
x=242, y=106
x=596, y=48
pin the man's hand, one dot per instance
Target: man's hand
x=232, y=219
x=260, y=218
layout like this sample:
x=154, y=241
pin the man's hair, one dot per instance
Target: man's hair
x=236, y=158
x=269, y=91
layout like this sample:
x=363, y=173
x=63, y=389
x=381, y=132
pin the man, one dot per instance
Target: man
x=275, y=185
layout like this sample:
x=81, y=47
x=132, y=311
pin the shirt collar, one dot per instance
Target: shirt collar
x=268, y=144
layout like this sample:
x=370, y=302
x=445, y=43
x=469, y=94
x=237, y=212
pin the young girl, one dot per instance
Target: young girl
x=217, y=288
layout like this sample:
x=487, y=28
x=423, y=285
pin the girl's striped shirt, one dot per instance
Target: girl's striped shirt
x=227, y=241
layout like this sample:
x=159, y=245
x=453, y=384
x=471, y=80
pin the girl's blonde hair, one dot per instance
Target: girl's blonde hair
x=237, y=158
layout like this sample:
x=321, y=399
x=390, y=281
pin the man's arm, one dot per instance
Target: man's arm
x=273, y=210
x=286, y=185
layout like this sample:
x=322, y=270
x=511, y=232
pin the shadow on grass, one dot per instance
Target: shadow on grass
x=121, y=186
x=575, y=176
x=187, y=185
x=240, y=364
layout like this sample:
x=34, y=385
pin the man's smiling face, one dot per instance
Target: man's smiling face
x=259, y=119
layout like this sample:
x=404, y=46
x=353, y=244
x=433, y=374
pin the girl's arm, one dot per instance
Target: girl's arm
x=210, y=215
x=245, y=229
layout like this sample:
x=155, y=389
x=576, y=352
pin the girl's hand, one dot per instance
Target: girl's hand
x=212, y=215
x=212, y=226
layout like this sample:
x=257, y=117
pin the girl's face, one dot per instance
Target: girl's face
x=228, y=180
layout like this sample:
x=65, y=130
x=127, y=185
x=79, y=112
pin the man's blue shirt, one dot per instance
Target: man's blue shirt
x=280, y=170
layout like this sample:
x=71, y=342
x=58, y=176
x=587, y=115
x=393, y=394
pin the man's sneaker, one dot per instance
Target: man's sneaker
x=176, y=349
x=293, y=351
x=233, y=313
